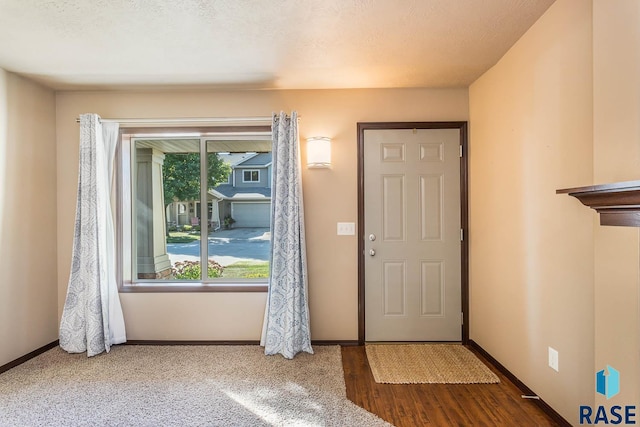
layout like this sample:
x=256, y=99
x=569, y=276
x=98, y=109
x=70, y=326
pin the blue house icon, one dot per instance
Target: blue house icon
x=609, y=384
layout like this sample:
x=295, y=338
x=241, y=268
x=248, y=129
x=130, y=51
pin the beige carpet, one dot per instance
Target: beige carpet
x=427, y=363
x=180, y=386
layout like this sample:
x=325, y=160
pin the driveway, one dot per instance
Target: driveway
x=226, y=246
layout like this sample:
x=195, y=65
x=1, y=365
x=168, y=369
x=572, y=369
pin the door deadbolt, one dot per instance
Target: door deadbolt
x=372, y=237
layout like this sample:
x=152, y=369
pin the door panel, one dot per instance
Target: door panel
x=431, y=201
x=394, y=288
x=394, y=207
x=432, y=290
x=412, y=266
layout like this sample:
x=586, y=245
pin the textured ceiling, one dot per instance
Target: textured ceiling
x=288, y=44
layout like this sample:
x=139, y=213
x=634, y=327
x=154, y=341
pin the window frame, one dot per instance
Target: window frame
x=125, y=211
x=251, y=171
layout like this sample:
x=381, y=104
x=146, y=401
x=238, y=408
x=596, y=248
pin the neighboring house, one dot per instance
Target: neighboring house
x=245, y=197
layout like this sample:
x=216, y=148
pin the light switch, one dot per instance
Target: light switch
x=553, y=359
x=346, y=229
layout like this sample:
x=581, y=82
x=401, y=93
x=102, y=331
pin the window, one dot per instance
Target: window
x=167, y=232
x=251, y=176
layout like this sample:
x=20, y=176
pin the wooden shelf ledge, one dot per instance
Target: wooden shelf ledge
x=617, y=203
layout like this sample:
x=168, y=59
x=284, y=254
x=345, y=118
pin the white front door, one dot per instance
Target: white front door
x=412, y=235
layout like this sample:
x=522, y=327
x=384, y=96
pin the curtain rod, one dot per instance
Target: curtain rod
x=190, y=120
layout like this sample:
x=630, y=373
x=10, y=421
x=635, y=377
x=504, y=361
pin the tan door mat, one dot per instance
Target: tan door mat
x=427, y=364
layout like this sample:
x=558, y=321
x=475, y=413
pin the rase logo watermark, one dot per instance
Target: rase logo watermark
x=608, y=385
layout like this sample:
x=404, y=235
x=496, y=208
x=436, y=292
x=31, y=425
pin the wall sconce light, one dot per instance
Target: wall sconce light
x=319, y=152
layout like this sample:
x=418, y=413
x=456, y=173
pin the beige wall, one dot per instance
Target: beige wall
x=616, y=145
x=532, y=256
x=330, y=197
x=28, y=312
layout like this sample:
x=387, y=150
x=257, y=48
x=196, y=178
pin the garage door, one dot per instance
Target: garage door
x=251, y=214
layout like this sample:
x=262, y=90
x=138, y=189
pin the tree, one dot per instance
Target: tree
x=181, y=175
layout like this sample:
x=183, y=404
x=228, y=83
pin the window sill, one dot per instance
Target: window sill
x=154, y=287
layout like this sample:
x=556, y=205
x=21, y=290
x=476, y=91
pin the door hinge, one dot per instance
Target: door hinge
x=462, y=318
x=461, y=154
x=461, y=235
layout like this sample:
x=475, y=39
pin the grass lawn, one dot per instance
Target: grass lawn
x=182, y=237
x=247, y=270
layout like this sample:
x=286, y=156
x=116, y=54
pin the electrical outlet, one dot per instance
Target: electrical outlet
x=553, y=359
x=346, y=229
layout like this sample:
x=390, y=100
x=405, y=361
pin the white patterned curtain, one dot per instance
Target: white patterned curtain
x=92, y=319
x=286, y=325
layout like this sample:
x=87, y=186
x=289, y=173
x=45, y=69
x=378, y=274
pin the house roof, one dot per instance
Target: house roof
x=234, y=158
x=229, y=192
x=260, y=159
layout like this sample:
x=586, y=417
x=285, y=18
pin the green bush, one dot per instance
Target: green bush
x=186, y=227
x=228, y=221
x=182, y=237
x=190, y=270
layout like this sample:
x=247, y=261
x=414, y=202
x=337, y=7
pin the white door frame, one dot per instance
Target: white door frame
x=464, y=220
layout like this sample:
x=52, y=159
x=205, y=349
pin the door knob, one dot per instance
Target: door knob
x=372, y=252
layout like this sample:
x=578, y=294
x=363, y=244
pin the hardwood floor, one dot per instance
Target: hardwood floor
x=439, y=404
